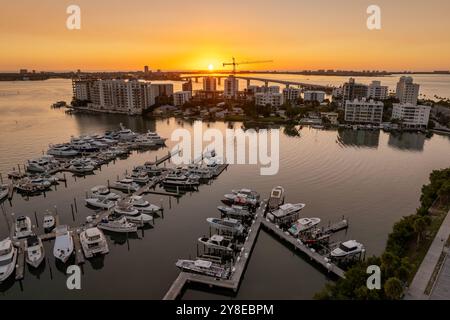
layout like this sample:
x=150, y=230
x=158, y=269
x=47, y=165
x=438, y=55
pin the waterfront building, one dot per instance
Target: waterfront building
x=81, y=89
x=181, y=97
x=231, y=88
x=187, y=86
x=266, y=98
x=352, y=90
x=411, y=116
x=272, y=89
x=146, y=69
x=116, y=96
x=209, y=84
x=407, y=91
x=291, y=94
x=310, y=95
x=364, y=111
x=337, y=92
x=377, y=91
x=162, y=89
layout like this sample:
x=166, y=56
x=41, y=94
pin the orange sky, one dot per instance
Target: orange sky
x=186, y=35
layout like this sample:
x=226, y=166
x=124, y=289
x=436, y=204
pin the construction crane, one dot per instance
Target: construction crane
x=234, y=63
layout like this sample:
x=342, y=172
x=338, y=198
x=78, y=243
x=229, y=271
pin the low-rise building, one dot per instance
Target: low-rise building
x=231, y=88
x=181, y=97
x=311, y=96
x=364, y=111
x=377, y=91
x=411, y=116
x=275, y=100
x=291, y=94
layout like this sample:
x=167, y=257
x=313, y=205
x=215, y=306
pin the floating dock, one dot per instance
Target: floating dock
x=79, y=257
x=20, y=264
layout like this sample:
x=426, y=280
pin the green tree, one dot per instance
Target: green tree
x=393, y=288
x=420, y=224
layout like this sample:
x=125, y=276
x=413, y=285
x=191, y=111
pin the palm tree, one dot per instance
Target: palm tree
x=393, y=288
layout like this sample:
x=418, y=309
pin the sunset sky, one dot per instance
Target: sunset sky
x=192, y=34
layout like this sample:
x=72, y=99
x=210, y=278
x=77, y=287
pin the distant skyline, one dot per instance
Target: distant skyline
x=176, y=35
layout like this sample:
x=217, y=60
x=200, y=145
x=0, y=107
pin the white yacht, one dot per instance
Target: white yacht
x=203, y=267
x=180, y=180
x=218, y=242
x=144, y=142
x=22, y=227
x=247, y=193
x=93, y=242
x=125, y=134
x=347, y=248
x=239, y=199
x=133, y=215
x=49, y=222
x=227, y=224
x=276, y=198
x=235, y=211
x=34, y=251
x=62, y=151
x=117, y=224
x=155, y=138
x=201, y=171
x=127, y=185
x=43, y=164
x=139, y=203
x=63, y=247
x=80, y=167
x=286, y=213
x=100, y=202
x=104, y=192
x=139, y=177
x=8, y=257
x=302, y=225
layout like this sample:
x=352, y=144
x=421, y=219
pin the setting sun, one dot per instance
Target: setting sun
x=210, y=67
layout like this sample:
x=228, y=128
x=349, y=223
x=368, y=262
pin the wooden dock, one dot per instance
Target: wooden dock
x=79, y=257
x=157, y=162
x=20, y=264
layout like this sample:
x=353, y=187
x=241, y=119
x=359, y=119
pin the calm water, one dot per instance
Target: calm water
x=373, y=178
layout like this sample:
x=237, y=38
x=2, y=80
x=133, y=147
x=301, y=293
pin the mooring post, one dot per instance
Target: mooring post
x=75, y=204
x=35, y=218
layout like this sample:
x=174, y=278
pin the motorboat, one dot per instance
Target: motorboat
x=63, y=248
x=139, y=177
x=62, y=151
x=155, y=138
x=34, y=251
x=286, y=213
x=105, y=192
x=139, y=203
x=213, y=166
x=204, y=267
x=81, y=167
x=144, y=142
x=240, y=200
x=43, y=164
x=217, y=242
x=276, y=198
x=180, y=180
x=100, y=202
x=248, y=193
x=93, y=242
x=153, y=170
x=133, y=215
x=8, y=258
x=41, y=183
x=116, y=223
x=22, y=227
x=126, y=184
x=201, y=171
x=234, y=211
x=125, y=134
x=302, y=225
x=49, y=222
x=4, y=191
x=347, y=248
x=230, y=225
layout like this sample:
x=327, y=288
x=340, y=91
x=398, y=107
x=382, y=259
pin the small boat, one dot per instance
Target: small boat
x=132, y=214
x=227, y=224
x=276, y=198
x=139, y=177
x=93, y=242
x=79, y=167
x=155, y=138
x=49, y=222
x=43, y=164
x=104, y=192
x=34, y=251
x=302, y=225
x=218, y=242
x=117, y=224
x=247, y=193
x=240, y=200
x=22, y=227
x=144, y=142
x=140, y=204
x=201, y=171
x=62, y=151
x=204, y=267
x=127, y=185
x=8, y=258
x=235, y=211
x=100, y=202
x=180, y=180
x=347, y=248
x=4, y=191
x=287, y=213
x=63, y=248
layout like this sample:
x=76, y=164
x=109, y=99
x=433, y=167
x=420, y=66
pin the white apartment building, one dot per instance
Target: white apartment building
x=121, y=96
x=162, y=89
x=364, y=111
x=291, y=94
x=377, y=91
x=265, y=98
x=231, y=88
x=81, y=89
x=407, y=90
x=209, y=84
x=310, y=95
x=181, y=97
x=272, y=89
x=411, y=115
